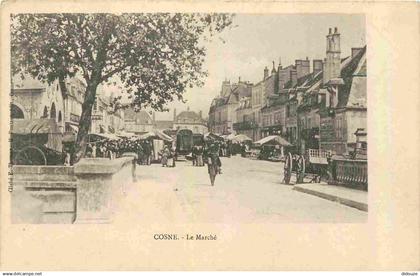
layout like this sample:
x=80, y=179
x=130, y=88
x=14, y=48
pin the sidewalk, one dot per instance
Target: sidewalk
x=350, y=197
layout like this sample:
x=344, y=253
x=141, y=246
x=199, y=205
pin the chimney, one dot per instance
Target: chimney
x=332, y=66
x=200, y=113
x=265, y=72
x=293, y=77
x=280, y=67
x=355, y=51
x=302, y=67
x=225, y=88
x=239, y=81
x=174, y=114
x=317, y=65
x=273, y=71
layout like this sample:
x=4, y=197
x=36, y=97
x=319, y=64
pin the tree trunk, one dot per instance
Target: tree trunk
x=85, y=122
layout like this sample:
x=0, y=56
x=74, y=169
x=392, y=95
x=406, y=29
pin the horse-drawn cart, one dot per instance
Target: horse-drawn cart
x=36, y=142
x=313, y=164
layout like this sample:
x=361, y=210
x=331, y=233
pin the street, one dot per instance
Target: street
x=248, y=191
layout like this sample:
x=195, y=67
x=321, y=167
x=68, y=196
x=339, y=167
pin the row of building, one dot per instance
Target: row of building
x=33, y=99
x=318, y=108
x=143, y=121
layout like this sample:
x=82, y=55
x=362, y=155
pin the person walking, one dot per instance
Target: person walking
x=147, y=152
x=165, y=154
x=200, y=156
x=94, y=151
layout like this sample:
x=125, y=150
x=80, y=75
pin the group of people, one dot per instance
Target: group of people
x=197, y=155
x=115, y=148
x=167, y=156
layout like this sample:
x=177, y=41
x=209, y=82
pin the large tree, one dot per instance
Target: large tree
x=156, y=56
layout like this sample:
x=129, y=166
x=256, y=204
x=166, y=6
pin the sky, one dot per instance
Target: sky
x=256, y=40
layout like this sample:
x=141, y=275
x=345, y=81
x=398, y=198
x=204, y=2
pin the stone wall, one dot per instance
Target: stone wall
x=89, y=192
x=43, y=194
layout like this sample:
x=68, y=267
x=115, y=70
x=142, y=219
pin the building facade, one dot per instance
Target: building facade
x=222, y=114
x=190, y=120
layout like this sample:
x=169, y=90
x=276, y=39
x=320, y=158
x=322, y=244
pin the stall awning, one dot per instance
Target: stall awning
x=156, y=134
x=34, y=126
x=125, y=134
x=106, y=136
x=230, y=136
x=213, y=136
x=273, y=138
x=241, y=138
x=74, y=129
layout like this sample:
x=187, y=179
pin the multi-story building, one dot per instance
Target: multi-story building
x=73, y=101
x=344, y=109
x=244, y=122
x=190, y=120
x=222, y=114
x=138, y=122
x=34, y=99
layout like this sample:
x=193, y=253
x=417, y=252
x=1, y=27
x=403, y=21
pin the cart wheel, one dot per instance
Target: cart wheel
x=288, y=164
x=30, y=155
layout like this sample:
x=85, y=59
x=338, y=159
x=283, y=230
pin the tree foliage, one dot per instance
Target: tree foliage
x=156, y=56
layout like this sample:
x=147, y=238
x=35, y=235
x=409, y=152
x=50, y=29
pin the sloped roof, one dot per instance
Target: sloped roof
x=190, y=116
x=142, y=116
x=26, y=81
x=164, y=124
x=358, y=90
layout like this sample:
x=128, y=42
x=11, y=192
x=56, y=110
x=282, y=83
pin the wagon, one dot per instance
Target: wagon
x=36, y=142
x=313, y=164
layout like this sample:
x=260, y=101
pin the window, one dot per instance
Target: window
x=45, y=113
x=16, y=112
x=53, y=112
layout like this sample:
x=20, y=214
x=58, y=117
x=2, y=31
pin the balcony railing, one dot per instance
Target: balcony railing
x=245, y=125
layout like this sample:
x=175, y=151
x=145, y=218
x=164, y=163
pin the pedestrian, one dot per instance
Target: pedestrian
x=67, y=159
x=165, y=154
x=94, y=151
x=200, y=156
x=194, y=155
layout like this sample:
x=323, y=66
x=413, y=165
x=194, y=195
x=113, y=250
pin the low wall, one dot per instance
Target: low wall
x=43, y=194
x=101, y=184
x=85, y=193
x=350, y=173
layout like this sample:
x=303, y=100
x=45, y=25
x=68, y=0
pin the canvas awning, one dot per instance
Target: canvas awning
x=274, y=139
x=156, y=134
x=74, y=129
x=125, y=134
x=230, y=136
x=241, y=138
x=213, y=136
x=105, y=136
x=34, y=126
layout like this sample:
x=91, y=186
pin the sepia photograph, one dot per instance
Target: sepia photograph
x=194, y=136
x=194, y=117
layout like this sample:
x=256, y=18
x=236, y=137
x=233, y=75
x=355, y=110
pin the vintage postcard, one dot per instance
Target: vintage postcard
x=193, y=136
